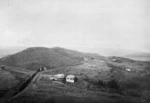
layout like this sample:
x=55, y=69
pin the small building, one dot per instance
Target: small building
x=70, y=78
x=128, y=69
x=60, y=76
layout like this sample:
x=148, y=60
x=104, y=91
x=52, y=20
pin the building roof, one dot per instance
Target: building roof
x=71, y=76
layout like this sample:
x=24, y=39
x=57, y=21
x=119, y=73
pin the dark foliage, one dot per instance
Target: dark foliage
x=113, y=84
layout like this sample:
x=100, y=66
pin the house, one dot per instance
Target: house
x=70, y=78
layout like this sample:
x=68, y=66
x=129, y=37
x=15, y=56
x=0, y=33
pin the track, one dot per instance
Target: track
x=20, y=89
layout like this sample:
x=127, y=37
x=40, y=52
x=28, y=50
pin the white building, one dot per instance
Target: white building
x=56, y=77
x=128, y=69
x=60, y=76
x=70, y=78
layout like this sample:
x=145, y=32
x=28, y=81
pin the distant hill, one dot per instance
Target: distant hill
x=139, y=56
x=9, y=51
x=35, y=57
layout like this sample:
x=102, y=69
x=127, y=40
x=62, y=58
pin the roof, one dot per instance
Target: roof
x=71, y=76
x=59, y=74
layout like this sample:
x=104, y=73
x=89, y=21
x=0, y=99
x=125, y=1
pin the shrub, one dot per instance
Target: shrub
x=113, y=84
x=100, y=83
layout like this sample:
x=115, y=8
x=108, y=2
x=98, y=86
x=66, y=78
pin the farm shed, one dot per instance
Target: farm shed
x=60, y=76
x=70, y=78
x=128, y=69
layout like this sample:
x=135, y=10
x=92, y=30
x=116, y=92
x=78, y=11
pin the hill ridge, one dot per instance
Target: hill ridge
x=35, y=57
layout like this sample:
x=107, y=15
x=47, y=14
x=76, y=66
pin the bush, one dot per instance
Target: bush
x=113, y=84
x=101, y=83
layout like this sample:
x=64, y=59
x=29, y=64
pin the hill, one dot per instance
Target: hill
x=35, y=57
x=102, y=79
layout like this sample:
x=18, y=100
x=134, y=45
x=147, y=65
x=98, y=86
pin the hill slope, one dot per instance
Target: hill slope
x=35, y=57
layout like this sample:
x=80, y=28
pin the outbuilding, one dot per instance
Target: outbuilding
x=128, y=69
x=61, y=76
x=70, y=78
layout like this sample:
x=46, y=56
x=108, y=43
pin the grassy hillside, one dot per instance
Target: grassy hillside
x=33, y=58
x=97, y=80
x=102, y=79
x=11, y=78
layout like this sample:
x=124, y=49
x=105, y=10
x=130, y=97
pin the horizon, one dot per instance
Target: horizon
x=118, y=25
x=100, y=51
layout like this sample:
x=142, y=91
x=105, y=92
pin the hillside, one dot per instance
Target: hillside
x=102, y=79
x=35, y=57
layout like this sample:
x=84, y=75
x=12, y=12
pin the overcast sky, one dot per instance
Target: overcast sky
x=123, y=24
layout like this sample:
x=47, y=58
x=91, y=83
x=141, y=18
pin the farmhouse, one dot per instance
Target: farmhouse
x=70, y=78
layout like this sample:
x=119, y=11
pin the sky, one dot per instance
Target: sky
x=113, y=24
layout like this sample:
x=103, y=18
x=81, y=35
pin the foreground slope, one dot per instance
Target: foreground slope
x=98, y=81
